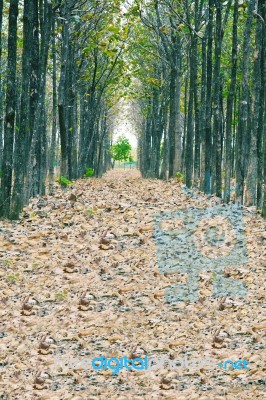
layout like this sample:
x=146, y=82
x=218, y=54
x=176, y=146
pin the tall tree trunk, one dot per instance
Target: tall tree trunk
x=40, y=163
x=208, y=129
x=190, y=118
x=217, y=112
x=197, y=144
x=185, y=119
x=71, y=93
x=229, y=108
x=264, y=117
x=34, y=96
x=54, y=116
x=178, y=138
x=75, y=135
x=174, y=151
x=1, y=85
x=62, y=92
x=22, y=134
x=83, y=112
x=6, y=183
x=203, y=113
x=262, y=112
x=264, y=167
x=242, y=132
x=257, y=109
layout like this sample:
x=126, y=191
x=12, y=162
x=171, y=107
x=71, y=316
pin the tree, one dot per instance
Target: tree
x=229, y=107
x=242, y=140
x=7, y=166
x=22, y=133
x=87, y=44
x=120, y=151
x=194, y=70
x=1, y=83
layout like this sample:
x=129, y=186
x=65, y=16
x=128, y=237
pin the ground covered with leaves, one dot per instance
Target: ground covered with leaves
x=79, y=278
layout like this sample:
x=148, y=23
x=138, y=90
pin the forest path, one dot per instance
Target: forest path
x=79, y=278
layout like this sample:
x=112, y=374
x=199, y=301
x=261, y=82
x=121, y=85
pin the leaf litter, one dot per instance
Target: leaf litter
x=79, y=278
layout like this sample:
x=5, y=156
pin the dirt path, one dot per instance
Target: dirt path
x=79, y=278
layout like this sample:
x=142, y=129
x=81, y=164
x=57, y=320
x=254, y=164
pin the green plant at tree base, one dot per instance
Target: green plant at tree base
x=64, y=182
x=89, y=172
x=180, y=177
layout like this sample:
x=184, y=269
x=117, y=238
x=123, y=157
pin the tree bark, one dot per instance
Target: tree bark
x=257, y=110
x=208, y=128
x=217, y=112
x=23, y=133
x=262, y=111
x=203, y=113
x=54, y=116
x=1, y=86
x=229, y=108
x=34, y=96
x=40, y=162
x=62, y=91
x=191, y=116
x=6, y=183
x=242, y=132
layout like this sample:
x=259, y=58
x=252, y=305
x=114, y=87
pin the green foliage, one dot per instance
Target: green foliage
x=90, y=212
x=0, y=173
x=89, y=172
x=180, y=177
x=61, y=296
x=7, y=262
x=120, y=151
x=64, y=182
x=13, y=277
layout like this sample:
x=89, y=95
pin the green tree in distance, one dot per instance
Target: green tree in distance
x=120, y=151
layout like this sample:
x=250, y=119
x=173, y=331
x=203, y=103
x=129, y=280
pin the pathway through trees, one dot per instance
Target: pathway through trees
x=80, y=278
x=192, y=72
